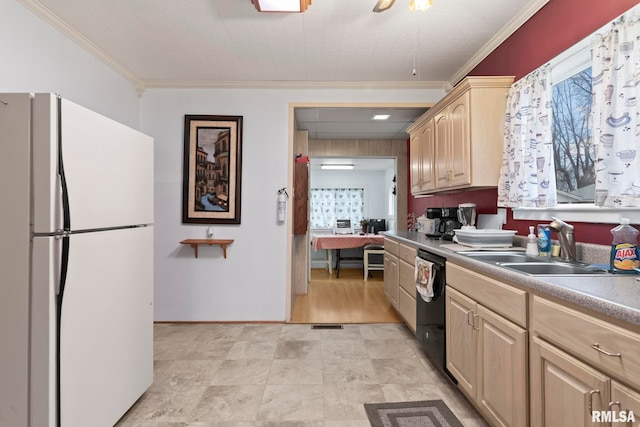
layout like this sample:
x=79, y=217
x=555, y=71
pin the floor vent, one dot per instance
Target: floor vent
x=326, y=326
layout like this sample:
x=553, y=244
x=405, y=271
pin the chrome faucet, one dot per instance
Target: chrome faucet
x=565, y=237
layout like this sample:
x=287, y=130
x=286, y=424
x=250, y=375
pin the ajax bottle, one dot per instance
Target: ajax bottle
x=624, y=248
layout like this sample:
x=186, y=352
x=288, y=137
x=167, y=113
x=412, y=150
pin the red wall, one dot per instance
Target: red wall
x=556, y=27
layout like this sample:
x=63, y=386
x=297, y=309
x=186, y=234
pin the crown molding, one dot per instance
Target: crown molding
x=170, y=84
x=66, y=29
x=532, y=8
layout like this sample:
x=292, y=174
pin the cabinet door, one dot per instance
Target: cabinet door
x=442, y=144
x=460, y=149
x=391, y=283
x=564, y=391
x=415, y=153
x=407, y=308
x=502, y=371
x=421, y=152
x=624, y=399
x=427, y=158
x=461, y=340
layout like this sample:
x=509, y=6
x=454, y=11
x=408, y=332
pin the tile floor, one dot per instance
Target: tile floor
x=263, y=375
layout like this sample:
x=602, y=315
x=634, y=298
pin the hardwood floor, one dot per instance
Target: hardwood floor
x=347, y=299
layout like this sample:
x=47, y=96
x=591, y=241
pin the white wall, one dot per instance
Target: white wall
x=375, y=197
x=38, y=58
x=251, y=283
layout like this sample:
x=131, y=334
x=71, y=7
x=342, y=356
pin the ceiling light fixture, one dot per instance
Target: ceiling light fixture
x=327, y=166
x=421, y=5
x=281, y=5
x=383, y=5
x=381, y=117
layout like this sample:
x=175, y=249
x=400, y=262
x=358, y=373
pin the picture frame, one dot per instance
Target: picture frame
x=211, y=192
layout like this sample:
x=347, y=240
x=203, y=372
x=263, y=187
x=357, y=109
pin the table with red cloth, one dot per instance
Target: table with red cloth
x=343, y=241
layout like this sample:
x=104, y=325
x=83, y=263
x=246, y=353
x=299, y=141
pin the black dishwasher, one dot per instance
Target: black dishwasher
x=430, y=316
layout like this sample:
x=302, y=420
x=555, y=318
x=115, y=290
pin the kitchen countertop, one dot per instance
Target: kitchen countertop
x=617, y=296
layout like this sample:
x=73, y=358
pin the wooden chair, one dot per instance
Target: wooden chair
x=372, y=266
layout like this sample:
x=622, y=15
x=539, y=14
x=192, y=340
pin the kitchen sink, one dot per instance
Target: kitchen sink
x=533, y=265
x=500, y=257
x=552, y=268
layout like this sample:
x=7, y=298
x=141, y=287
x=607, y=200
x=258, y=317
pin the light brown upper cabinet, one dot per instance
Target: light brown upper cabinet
x=458, y=142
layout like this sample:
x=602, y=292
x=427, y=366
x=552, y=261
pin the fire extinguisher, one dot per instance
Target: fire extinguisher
x=282, y=204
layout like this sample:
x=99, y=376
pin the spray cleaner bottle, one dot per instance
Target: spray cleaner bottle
x=624, y=248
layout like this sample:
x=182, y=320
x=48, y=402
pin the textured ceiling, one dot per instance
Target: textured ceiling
x=177, y=42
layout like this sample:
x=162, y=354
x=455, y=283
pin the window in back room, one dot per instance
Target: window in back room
x=331, y=204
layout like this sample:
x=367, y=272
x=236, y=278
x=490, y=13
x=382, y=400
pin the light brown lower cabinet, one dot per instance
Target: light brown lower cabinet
x=391, y=284
x=407, y=292
x=578, y=364
x=487, y=354
x=564, y=390
x=567, y=392
x=625, y=399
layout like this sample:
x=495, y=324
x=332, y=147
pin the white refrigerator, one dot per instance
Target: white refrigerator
x=76, y=264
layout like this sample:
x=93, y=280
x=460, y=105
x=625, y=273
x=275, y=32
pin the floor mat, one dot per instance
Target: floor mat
x=425, y=413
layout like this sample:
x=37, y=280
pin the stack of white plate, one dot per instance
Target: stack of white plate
x=487, y=238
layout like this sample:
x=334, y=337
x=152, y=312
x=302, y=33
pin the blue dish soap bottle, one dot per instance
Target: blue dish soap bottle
x=624, y=248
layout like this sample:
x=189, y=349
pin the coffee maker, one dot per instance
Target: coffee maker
x=446, y=222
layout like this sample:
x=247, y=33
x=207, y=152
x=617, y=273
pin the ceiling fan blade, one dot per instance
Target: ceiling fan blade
x=383, y=5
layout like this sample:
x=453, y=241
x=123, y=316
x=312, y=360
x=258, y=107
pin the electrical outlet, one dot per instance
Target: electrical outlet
x=209, y=232
x=503, y=214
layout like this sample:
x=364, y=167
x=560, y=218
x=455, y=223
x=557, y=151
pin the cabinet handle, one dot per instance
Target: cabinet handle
x=470, y=315
x=616, y=403
x=475, y=326
x=596, y=346
x=591, y=393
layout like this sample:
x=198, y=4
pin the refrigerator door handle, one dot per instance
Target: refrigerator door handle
x=66, y=216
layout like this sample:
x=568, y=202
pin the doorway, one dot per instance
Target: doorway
x=368, y=146
x=366, y=190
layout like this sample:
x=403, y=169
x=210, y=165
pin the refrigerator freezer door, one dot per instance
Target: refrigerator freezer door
x=108, y=168
x=106, y=329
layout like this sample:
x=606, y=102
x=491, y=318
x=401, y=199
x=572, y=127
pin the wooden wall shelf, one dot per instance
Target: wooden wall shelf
x=195, y=242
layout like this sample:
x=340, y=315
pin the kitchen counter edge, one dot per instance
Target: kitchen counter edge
x=616, y=296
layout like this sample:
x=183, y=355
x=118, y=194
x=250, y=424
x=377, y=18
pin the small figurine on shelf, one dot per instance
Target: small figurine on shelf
x=412, y=222
x=363, y=225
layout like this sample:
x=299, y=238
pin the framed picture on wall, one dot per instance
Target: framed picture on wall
x=212, y=169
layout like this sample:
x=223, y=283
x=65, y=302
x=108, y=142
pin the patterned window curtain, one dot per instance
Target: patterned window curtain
x=527, y=175
x=616, y=113
x=329, y=204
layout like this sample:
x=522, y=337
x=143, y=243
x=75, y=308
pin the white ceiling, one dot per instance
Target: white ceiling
x=170, y=43
x=335, y=43
x=355, y=123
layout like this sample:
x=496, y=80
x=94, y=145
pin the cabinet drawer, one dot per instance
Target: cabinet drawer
x=407, y=277
x=578, y=333
x=505, y=300
x=407, y=253
x=407, y=308
x=391, y=246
